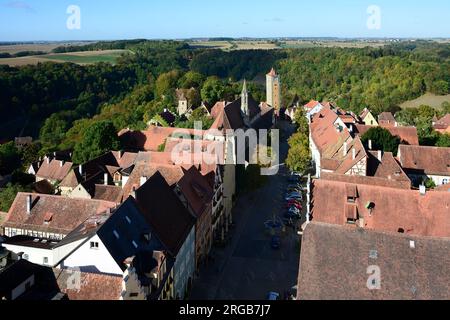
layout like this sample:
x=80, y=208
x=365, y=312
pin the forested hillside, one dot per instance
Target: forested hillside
x=57, y=102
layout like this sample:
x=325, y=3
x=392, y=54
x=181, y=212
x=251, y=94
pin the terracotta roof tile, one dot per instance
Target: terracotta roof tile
x=93, y=286
x=107, y=193
x=442, y=123
x=370, y=180
x=334, y=265
x=430, y=160
x=390, y=209
x=388, y=168
x=66, y=213
x=54, y=170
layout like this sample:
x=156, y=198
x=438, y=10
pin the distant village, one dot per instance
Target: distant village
x=134, y=225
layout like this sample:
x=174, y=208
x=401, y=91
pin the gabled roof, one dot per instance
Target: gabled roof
x=54, y=170
x=272, y=73
x=67, y=213
x=384, y=208
x=152, y=138
x=164, y=212
x=171, y=173
x=107, y=193
x=429, y=160
x=311, y=105
x=197, y=191
x=387, y=117
x=326, y=136
x=388, y=168
x=442, y=123
x=129, y=223
x=334, y=265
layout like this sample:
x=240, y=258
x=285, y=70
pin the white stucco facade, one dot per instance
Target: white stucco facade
x=94, y=260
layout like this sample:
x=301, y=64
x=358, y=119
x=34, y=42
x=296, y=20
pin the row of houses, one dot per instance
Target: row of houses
x=374, y=230
x=136, y=224
x=336, y=146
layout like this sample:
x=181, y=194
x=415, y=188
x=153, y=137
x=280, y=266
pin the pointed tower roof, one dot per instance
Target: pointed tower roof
x=244, y=87
x=272, y=73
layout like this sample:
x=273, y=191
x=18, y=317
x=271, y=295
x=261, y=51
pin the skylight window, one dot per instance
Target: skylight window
x=116, y=234
x=135, y=244
x=128, y=219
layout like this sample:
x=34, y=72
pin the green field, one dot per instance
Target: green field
x=85, y=59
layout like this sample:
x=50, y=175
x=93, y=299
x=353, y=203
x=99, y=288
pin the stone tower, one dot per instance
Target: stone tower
x=244, y=99
x=273, y=85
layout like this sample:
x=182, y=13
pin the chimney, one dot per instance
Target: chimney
x=133, y=192
x=354, y=153
x=120, y=154
x=29, y=200
x=370, y=144
x=380, y=155
x=345, y=149
x=143, y=180
x=105, y=179
x=422, y=190
x=47, y=159
x=61, y=163
x=80, y=169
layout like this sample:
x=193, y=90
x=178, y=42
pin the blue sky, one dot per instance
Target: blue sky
x=22, y=20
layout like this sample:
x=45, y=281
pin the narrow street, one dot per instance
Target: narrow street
x=248, y=268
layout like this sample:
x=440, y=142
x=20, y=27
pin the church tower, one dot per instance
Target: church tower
x=244, y=100
x=273, y=85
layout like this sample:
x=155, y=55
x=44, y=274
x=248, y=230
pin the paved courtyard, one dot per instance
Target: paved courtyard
x=248, y=268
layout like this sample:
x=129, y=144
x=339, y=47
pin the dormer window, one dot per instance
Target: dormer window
x=48, y=217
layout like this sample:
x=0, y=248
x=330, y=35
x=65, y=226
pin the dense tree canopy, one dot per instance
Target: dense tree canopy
x=98, y=139
x=381, y=139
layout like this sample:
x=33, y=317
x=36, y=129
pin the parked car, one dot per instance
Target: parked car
x=294, y=195
x=293, y=205
x=273, y=296
x=275, y=243
x=290, y=198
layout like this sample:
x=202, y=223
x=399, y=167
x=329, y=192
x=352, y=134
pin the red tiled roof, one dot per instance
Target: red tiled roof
x=197, y=190
x=107, y=193
x=334, y=265
x=152, y=138
x=443, y=123
x=375, y=181
x=392, y=209
x=325, y=135
x=386, y=116
x=93, y=286
x=310, y=105
x=66, y=213
x=53, y=170
x=430, y=160
x=171, y=173
x=388, y=168
x=407, y=134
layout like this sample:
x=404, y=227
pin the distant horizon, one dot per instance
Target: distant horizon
x=225, y=37
x=102, y=20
